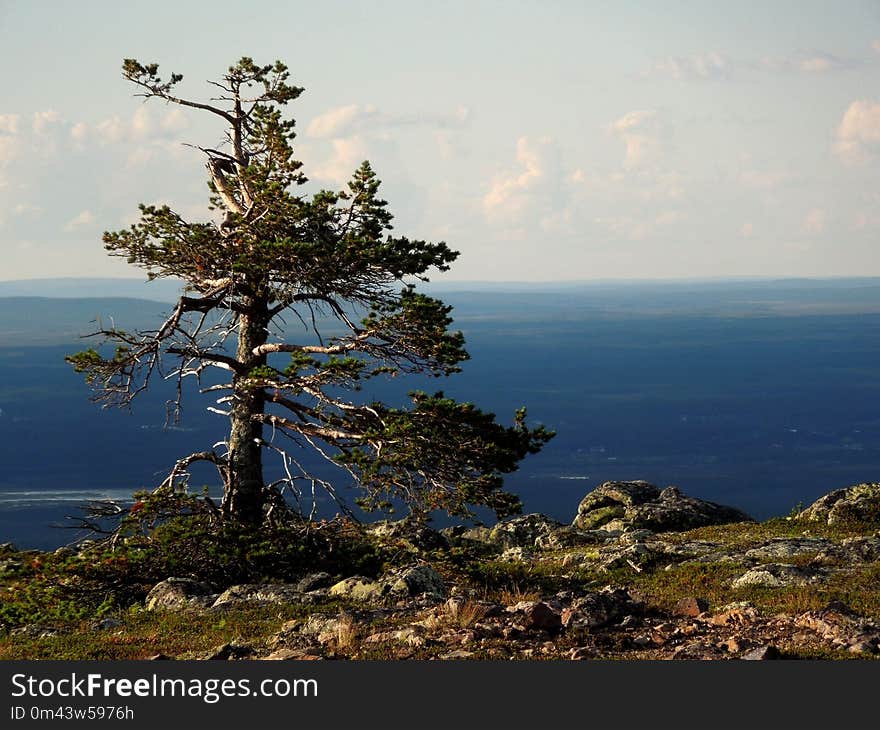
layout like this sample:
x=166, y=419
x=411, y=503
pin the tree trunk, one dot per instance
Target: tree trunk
x=244, y=498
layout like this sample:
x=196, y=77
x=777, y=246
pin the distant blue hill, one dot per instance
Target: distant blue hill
x=760, y=394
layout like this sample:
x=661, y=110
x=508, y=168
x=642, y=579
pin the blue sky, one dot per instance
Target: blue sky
x=545, y=141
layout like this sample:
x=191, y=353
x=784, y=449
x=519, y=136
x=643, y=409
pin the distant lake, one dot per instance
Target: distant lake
x=762, y=396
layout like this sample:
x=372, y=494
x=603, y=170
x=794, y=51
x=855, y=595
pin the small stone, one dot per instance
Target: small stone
x=226, y=652
x=762, y=653
x=516, y=555
x=691, y=607
x=642, y=641
x=108, y=623
x=458, y=654
x=288, y=654
x=863, y=647
x=581, y=653
x=735, y=644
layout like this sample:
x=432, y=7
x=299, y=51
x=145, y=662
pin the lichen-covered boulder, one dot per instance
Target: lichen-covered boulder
x=179, y=593
x=260, y=593
x=415, y=580
x=777, y=575
x=859, y=503
x=417, y=535
x=523, y=531
x=640, y=505
x=358, y=588
x=610, y=500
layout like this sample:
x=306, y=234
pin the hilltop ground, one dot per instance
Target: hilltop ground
x=635, y=577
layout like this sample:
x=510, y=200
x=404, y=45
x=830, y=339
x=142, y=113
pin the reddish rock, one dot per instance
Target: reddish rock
x=691, y=607
x=541, y=617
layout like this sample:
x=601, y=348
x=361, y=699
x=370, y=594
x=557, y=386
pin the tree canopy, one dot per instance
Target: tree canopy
x=329, y=260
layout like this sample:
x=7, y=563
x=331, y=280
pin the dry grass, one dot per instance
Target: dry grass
x=517, y=594
x=346, y=633
x=465, y=614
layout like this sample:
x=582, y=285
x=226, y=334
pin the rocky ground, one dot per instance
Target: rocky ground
x=641, y=573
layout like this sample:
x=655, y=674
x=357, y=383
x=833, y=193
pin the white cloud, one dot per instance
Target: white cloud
x=637, y=130
x=815, y=62
x=353, y=119
x=43, y=121
x=858, y=134
x=509, y=194
x=340, y=122
x=79, y=132
x=712, y=65
x=173, y=121
x=142, y=127
x=8, y=148
x=9, y=123
x=669, y=217
x=347, y=155
x=763, y=179
x=814, y=222
x=110, y=130
x=141, y=123
x=83, y=218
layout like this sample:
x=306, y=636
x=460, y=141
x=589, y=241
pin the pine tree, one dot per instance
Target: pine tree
x=328, y=260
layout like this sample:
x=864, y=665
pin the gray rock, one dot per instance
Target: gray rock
x=610, y=500
x=857, y=504
x=415, y=580
x=418, y=535
x=642, y=506
x=227, y=652
x=314, y=581
x=566, y=537
x=639, y=554
x=780, y=548
x=10, y=566
x=280, y=593
x=35, y=631
x=863, y=646
x=777, y=575
x=523, y=531
x=762, y=653
x=406, y=582
x=105, y=624
x=174, y=594
x=516, y=555
x=600, y=609
x=862, y=549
